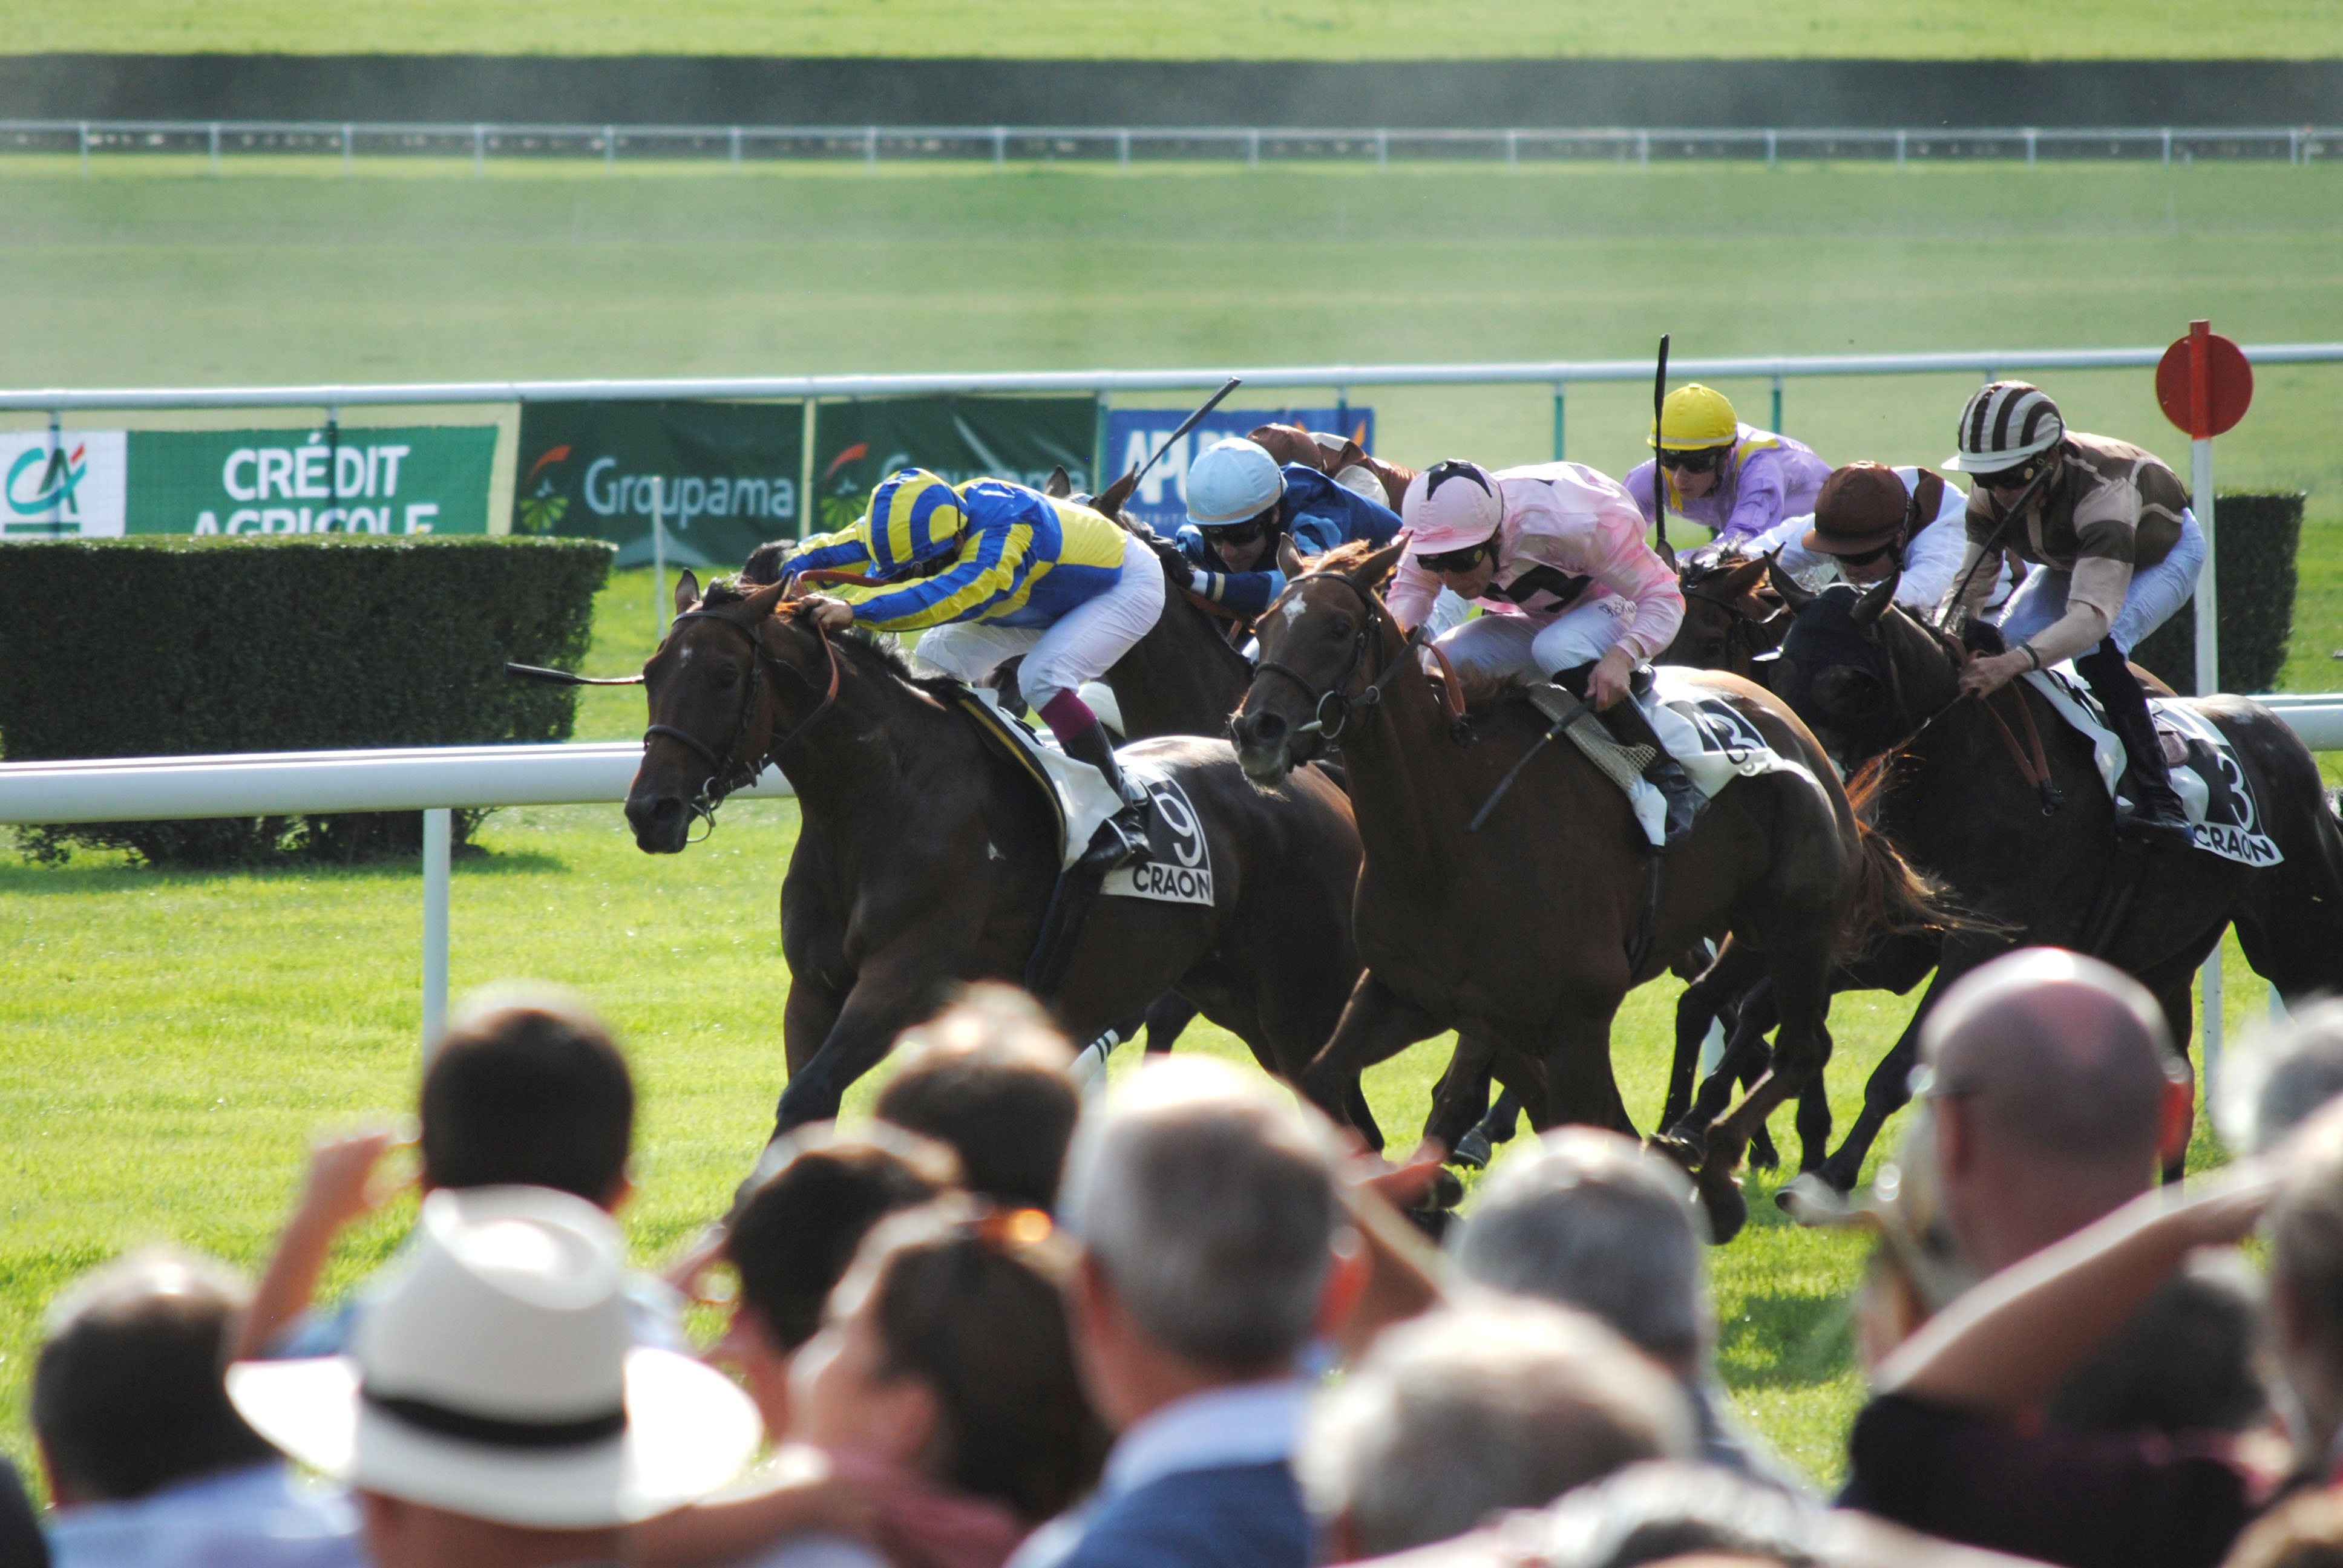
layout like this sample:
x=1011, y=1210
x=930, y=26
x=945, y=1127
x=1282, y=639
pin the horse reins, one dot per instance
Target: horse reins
x=731, y=771
x=2033, y=759
x=1452, y=696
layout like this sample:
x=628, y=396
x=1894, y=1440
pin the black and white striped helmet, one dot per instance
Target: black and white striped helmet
x=2004, y=425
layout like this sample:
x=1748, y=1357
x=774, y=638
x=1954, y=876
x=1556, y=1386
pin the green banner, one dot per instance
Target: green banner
x=856, y=445
x=418, y=480
x=720, y=478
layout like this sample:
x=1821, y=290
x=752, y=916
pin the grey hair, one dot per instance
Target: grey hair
x=1499, y=1404
x=1590, y=1220
x=1209, y=1204
x=1651, y=1513
x=2306, y=1230
x=2277, y=1075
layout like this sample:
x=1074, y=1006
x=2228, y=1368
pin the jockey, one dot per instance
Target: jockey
x=992, y=570
x=1239, y=502
x=1734, y=480
x=1569, y=590
x=2109, y=524
x=1870, y=520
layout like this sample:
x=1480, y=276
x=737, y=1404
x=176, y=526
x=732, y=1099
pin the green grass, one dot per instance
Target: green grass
x=1201, y=29
x=167, y=1041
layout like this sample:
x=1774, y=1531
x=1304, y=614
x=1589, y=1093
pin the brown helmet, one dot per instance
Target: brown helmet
x=1863, y=507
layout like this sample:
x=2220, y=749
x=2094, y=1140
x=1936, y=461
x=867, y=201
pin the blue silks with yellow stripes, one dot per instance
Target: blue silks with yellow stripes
x=990, y=551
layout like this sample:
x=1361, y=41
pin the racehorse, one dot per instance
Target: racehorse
x=1329, y=454
x=926, y=856
x=1528, y=935
x=2038, y=857
x=1731, y=615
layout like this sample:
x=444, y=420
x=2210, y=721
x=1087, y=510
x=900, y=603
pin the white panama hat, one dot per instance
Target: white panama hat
x=494, y=1377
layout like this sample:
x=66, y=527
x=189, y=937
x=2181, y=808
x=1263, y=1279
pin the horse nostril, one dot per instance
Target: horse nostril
x=666, y=810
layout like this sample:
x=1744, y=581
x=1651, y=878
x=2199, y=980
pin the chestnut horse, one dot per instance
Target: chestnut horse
x=926, y=858
x=1520, y=935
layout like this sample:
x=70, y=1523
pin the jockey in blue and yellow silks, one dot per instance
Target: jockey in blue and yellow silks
x=992, y=570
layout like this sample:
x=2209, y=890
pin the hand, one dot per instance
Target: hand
x=339, y=1172
x=2224, y=1209
x=1983, y=677
x=1177, y=568
x=1608, y=683
x=828, y=613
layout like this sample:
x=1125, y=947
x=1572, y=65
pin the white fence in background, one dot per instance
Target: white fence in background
x=1123, y=146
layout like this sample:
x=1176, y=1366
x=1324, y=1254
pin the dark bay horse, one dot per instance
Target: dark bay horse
x=926, y=858
x=1882, y=690
x=1519, y=936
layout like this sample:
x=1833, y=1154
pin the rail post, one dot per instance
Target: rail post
x=1512, y=149
x=1899, y=149
x=735, y=147
x=1383, y=150
x=2031, y=136
x=1776, y=425
x=214, y=143
x=2167, y=146
x=1770, y=149
x=57, y=492
x=437, y=832
x=870, y=149
x=1123, y=148
x=1561, y=393
x=85, y=150
x=1644, y=149
x=350, y=142
x=999, y=147
x=479, y=152
x=609, y=147
x=1252, y=149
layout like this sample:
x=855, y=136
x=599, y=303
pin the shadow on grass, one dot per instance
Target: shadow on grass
x=1786, y=1338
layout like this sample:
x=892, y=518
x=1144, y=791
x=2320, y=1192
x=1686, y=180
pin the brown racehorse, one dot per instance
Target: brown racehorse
x=1881, y=687
x=1329, y=454
x=925, y=859
x=1520, y=935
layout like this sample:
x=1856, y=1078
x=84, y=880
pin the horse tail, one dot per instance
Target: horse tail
x=1891, y=897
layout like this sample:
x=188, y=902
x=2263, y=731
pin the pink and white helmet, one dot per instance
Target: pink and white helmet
x=1450, y=507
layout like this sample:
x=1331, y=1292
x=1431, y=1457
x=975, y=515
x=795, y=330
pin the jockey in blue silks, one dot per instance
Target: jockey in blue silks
x=1239, y=502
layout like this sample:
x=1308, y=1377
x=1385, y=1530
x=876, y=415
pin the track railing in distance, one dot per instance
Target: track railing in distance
x=1123, y=146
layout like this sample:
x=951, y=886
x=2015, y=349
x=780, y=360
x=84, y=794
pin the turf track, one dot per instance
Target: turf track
x=166, y=1041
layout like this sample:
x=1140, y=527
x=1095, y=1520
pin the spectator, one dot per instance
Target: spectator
x=943, y=1386
x=148, y=1461
x=2304, y=1531
x=1679, y=1513
x=492, y=1412
x=22, y=1545
x=1214, y=1247
x=2281, y=1075
x=2190, y=1361
x=2305, y=1286
x=1588, y=1219
x=987, y=1077
x=1471, y=1411
x=528, y=1088
x=1946, y=1445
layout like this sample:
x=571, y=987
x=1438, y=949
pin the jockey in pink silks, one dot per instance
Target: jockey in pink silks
x=1569, y=591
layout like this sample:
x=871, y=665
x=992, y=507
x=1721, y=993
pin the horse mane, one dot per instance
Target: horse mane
x=1702, y=568
x=859, y=640
x=1346, y=558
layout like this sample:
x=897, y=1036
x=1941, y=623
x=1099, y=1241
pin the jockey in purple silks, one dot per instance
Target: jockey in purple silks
x=1733, y=480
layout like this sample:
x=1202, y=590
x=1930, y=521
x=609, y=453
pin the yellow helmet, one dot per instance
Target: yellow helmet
x=1696, y=417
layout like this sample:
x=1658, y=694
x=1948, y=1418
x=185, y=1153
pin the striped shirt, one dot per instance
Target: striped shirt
x=1024, y=559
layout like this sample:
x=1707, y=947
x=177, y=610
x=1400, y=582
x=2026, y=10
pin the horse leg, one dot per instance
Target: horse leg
x=1461, y=1094
x=1889, y=1088
x=1580, y=1084
x=1733, y=970
x=1814, y=1126
x=1479, y=1146
x=1747, y=1060
x=1802, y=1048
x=807, y=1019
x=891, y=993
x=1375, y=1026
x=1167, y=1019
x=2176, y=1000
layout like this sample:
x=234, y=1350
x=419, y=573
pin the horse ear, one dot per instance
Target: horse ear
x=1747, y=576
x=1370, y=573
x=1793, y=594
x=1111, y=503
x=1059, y=485
x=687, y=591
x=1288, y=559
x=1875, y=599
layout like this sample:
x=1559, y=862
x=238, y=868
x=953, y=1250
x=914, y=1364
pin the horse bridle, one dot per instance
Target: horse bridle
x=731, y=770
x=1343, y=703
x=1742, y=625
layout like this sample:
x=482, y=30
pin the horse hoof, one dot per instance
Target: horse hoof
x=1472, y=1150
x=1810, y=1201
x=1763, y=1155
x=1678, y=1145
x=1728, y=1211
x=1447, y=1191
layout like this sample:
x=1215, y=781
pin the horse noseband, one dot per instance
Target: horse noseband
x=732, y=771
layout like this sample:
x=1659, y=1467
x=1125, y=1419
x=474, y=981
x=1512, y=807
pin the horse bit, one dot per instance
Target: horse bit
x=1459, y=724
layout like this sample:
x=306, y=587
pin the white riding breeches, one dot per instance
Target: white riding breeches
x=1082, y=645
x=2155, y=596
x=1493, y=646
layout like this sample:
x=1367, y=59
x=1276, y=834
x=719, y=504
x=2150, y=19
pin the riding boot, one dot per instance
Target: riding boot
x=2156, y=817
x=1090, y=745
x=1629, y=725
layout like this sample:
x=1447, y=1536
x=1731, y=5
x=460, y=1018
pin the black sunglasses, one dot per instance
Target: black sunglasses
x=1454, y=561
x=1243, y=533
x=2016, y=478
x=1699, y=460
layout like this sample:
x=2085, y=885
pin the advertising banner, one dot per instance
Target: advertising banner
x=856, y=445
x=722, y=478
x=418, y=480
x=1133, y=434
x=71, y=489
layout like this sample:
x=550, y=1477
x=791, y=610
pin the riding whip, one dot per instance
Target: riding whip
x=563, y=678
x=1190, y=423
x=1659, y=469
x=1992, y=546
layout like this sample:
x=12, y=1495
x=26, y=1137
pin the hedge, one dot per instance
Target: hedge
x=169, y=645
x=2256, y=536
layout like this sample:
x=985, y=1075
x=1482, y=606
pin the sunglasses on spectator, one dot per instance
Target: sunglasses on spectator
x=1454, y=562
x=1243, y=533
x=1701, y=460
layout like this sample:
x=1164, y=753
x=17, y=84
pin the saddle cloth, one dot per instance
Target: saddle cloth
x=2223, y=815
x=1711, y=739
x=1178, y=867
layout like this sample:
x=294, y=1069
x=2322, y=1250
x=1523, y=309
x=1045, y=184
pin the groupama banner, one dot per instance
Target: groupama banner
x=720, y=478
x=856, y=445
x=1162, y=500
x=416, y=480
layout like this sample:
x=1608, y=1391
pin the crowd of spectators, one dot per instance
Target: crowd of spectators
x=1182, y=1322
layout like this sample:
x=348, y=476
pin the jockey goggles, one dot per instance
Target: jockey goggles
x=1456, y=561
x=2020, y=476
x=1243, y=533
x=1699, y=460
